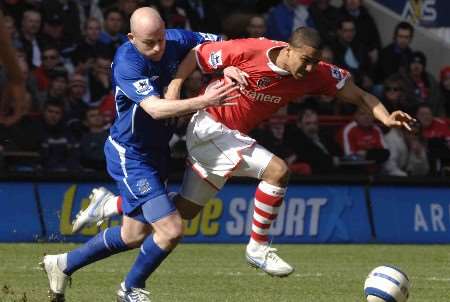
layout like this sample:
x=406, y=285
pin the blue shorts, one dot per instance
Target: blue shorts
x=143, y=192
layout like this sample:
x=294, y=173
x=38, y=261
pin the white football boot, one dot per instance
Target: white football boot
x=265, y=258
x=56, y=278
x=132, y=295
x=95, y=212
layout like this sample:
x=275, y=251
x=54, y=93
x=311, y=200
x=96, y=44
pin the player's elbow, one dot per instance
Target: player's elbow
x=151, y=108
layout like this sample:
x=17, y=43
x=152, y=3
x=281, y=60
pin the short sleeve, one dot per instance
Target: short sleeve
x=328, y=79
x=216, y=56
x=191, y=39
x=134, y=80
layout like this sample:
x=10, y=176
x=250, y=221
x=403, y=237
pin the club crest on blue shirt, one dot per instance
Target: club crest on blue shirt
x=143, y=186
x=142, y=87
x=215, y=59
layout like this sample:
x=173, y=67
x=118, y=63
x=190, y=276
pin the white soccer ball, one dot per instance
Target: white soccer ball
x=386, y=284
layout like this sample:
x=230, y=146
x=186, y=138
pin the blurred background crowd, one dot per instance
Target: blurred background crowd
x=65, y=49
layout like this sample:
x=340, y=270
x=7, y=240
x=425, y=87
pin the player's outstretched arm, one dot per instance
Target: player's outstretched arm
x=189, y=64
x=217, y=95
x=186, y=67
x=355, y=95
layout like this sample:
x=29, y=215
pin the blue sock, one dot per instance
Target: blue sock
x=149, y=258
x=104, y=244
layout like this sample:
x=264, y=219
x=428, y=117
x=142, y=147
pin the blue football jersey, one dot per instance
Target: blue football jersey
x=135, y=78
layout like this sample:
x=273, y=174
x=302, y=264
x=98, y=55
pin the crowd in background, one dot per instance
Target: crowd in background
x=65, y=49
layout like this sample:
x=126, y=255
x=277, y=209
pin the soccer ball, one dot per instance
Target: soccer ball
x=386, y=284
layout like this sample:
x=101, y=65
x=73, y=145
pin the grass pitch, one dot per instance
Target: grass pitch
x=218, y=272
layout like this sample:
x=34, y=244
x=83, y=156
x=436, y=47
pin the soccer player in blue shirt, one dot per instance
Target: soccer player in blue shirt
x=137, y=155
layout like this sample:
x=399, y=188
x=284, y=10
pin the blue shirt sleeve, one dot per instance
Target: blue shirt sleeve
x=191, y=39
x=132, y=77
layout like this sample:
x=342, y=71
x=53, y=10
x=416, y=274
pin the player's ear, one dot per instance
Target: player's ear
x=130, y=37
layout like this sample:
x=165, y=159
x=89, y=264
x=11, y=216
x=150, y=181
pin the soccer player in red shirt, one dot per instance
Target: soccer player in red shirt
x=272, y=73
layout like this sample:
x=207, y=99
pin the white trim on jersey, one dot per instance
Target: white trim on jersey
x=132, y=118
x=274, y=67
x=121, y=150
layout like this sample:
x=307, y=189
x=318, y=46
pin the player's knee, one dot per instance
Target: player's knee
x=134, y=240
x=174, y=233
x=277, y=172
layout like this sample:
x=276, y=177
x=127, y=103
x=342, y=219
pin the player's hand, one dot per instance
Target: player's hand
x=400, y=119
x=220, y=94
x=234, y=74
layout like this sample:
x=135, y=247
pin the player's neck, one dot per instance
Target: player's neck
x=278, y=57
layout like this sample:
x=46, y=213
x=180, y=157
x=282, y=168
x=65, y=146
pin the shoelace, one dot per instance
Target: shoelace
x=271, y=254
x=140, y=295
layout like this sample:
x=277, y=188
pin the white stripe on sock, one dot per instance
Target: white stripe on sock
x=261, y=219
x=266, y=208
x=104, y=239
x=271, y=189
x=259, y=230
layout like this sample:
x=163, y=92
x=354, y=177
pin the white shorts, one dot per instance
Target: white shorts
x=215, y=153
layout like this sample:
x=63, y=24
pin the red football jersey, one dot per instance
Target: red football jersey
x=269, y=87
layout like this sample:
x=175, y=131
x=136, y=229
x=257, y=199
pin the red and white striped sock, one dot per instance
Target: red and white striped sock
x=268, y=199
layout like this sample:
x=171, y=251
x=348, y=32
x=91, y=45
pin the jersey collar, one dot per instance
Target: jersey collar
x=274, y=67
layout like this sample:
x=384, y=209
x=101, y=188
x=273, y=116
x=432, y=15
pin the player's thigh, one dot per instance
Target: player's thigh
x=198, y=190
x=133, y=231
x=169, y=227
x=254, y=163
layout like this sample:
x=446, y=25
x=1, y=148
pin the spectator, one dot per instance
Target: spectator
x=362, y=139
x=31, y=41
x=328, y=54
x=310, y=146
x=424, y=86
x=408, y=154
x=366, y=30
x=395, y=96
x=445, y=89
x=173, y=15
x=57, y=90
x=92, y=155
x=350, y=53
x=83, y=63
x=58, y=150
x=285, y=17
x=90, y=46
x=99, y=79
x=89, y=9
x=437, y=134
x=11, y=30
x=203, y=15
x=62, y=22
x=256, y=26
x=13, y=132
x=325, y=17
x=111, y=36
x=127, y=7
x=396, y=56
x=50, y=60
x=273, y=137
x=74, y=107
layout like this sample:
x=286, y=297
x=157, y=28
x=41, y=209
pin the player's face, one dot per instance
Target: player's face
x=302, y=60
x=151, y=44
